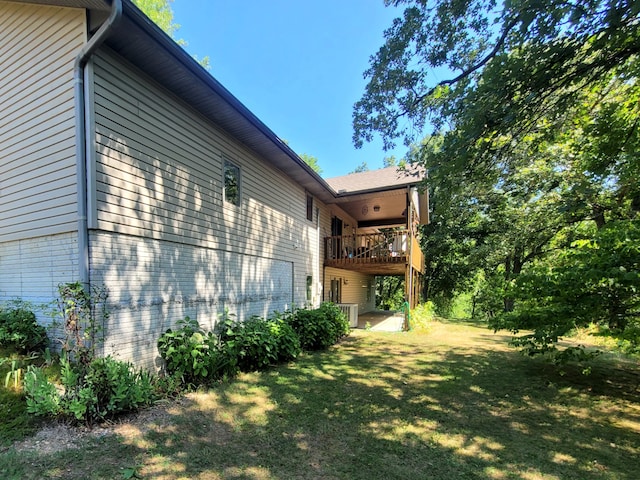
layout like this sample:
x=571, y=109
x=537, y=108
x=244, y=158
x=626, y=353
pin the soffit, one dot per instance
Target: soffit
x=100, y=5
x=142, y=43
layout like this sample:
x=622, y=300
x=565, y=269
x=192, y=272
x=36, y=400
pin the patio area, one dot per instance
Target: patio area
x=382, y=321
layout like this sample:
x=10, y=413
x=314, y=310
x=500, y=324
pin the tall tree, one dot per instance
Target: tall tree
x=539, y=121
x=312, y=162
x=363, y=167
x=511, y=62
x=161, y=13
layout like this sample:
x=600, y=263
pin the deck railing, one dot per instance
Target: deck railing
x=368, y=247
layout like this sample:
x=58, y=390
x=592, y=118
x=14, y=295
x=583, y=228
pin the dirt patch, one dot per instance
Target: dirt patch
x=58, y=436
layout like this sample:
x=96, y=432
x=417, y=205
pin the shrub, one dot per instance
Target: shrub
x=19, y=329
x=192, y=354
x=287, y=339
x=42, y=396
x=251, y=342
x=257, y=344
x=107, y=387
x=319, y=329
x=82, y=312
x=422, y=316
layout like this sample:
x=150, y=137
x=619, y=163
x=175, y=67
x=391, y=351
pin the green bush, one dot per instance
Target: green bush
x=19, y=329
x=42, y=396
x=107, y=387
x=319, y=329
x=257, y=344
x=192, y=354
x=251, y=343
x=422, y=316
x=287, y=339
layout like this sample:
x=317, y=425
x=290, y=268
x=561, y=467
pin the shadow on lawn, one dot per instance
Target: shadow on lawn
x=399, y=406
x=394, y=407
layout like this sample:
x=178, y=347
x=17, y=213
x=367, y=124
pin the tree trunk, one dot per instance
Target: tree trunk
x=598, y=216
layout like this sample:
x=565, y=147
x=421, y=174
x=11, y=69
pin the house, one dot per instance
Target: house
x=124, y=163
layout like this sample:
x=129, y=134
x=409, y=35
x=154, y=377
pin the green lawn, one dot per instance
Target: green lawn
x=454, y=403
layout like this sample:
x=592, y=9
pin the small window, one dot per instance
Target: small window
x=231, y=183
x=309, y=208
x=309, y=287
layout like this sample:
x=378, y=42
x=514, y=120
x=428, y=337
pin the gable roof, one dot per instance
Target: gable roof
x=375, y=180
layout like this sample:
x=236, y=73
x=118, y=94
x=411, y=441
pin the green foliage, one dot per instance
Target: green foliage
x=19, y=329
x=536, y=137
x=422, y=316
x=257, y=344
x=312, y=162
x=190, y=353
x=161, y=13
x=194, y=357
x=82, y=313
x=597, y=281
x=320, y=328
x=104, y=389
x=93, y=389
x=287, y=339
x=511, y=63
x=363, y=167
x=251, y=343
x=43, y=398
x=389, y=292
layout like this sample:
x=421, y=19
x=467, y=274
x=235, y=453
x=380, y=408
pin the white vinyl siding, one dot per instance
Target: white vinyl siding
x=38, y=46
x=354, y=288
x=32, y=269
x=159, y=173
x=164, y=242
x=154, y=283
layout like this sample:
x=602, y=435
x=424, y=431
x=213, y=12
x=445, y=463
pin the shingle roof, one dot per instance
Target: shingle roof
x=377, y=179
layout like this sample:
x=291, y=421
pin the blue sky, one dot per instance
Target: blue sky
x=297, y=64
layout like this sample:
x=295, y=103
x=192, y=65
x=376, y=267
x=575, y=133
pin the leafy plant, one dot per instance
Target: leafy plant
x=17, y=368
x=83, y=312
x=251, y=342
x=19, y=328
x=43, y=398
x=257, y=343
x=288, y=342
x=108, y=387
x=190, y=353
x=594, y=282
x=320, y=328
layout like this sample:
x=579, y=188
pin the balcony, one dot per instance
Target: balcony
x=386, y=253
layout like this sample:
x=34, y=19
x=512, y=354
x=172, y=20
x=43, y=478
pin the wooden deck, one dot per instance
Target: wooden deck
x=377, y=253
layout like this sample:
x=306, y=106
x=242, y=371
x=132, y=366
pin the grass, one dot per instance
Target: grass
x=455, y=402
x=15, y=422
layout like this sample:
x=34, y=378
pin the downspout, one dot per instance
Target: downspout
x=81, y=154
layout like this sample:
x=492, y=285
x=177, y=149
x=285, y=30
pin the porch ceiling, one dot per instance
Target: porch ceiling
x=390, y=206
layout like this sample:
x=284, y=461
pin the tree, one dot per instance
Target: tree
x=361, y=168
x=389, y=292
x=312, y=162
x=161, y=13
x=594, y=281
x=509, y=65
x=539, y=127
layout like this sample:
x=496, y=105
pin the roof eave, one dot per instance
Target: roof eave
x=206, y=94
